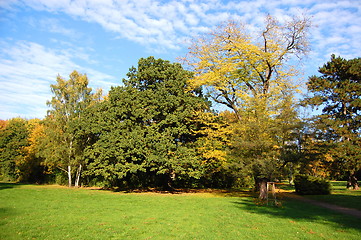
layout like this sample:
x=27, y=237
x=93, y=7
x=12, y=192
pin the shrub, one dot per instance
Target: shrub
x=308, y=185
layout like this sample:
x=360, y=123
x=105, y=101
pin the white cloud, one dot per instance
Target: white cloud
x=164, y=24
x=28, y=69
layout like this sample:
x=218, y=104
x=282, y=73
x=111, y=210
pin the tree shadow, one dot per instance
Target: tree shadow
x=5, y=213
x=4, y=185
x=295, y=211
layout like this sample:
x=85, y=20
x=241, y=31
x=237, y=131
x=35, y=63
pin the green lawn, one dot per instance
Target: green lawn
x=52, y=212
x=341, y=196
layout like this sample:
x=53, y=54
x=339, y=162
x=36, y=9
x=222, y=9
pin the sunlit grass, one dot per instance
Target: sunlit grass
x=52, y=212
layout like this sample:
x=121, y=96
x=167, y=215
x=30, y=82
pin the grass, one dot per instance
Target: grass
x=53, y=212
x=341, y=196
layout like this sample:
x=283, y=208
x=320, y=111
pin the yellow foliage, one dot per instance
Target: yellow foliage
x=238, y=68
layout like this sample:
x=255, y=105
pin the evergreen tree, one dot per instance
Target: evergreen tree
x=338, y=92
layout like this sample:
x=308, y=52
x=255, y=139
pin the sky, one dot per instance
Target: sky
x=41, y=39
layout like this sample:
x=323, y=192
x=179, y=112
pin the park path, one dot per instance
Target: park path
x=336, y=208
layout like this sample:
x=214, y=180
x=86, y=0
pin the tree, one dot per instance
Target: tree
x=144, y=128
x=13, y=138
x=30, y=167
x=250, y=74
x=338, y=92
x=62, y=148
x=237, y=68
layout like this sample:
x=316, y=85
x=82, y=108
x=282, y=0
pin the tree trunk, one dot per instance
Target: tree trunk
x=69, y=175
x=262, y=183
x=78, y=173
x=352, y=182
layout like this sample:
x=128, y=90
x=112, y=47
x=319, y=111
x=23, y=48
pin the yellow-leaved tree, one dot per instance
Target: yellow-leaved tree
x=250, y=73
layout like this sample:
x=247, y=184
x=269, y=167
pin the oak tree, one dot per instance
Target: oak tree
x=143, y=129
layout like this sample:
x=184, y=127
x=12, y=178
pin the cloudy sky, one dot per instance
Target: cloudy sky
x=40, y=39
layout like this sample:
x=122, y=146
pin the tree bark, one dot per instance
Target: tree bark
x=262, y=183
x=78, y=173
x=69, y=175
x=352, y=182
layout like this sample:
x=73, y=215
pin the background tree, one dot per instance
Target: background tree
x=13, y=138
x=250, y=73
x=30, y=166
x=62, y=148
x=338, y=92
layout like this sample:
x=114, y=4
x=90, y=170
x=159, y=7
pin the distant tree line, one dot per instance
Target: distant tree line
x=158, y=128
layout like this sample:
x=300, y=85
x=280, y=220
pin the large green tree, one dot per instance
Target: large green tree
x=61, y=147
x=144, y=128
x=338, y=93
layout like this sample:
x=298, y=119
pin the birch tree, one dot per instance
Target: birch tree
x=62, y=148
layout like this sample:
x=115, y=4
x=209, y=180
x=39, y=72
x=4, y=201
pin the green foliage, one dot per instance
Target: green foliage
x=143, y=132
x=13, y=138
x=309, y=185
x=62, y=146
x=30, y=167
x=338, y=92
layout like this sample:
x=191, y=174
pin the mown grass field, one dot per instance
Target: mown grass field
x=53, y=212
x=341, y=196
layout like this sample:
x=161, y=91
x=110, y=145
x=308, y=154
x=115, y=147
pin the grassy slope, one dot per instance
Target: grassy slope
x=49, y=212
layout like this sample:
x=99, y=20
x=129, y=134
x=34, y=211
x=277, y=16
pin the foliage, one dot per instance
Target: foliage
x=144, y=130
x=309, y=185
x=249, y=73
x=338, y=92
x=241, y=69
x=13, y=138
x=212, y=146
x=62, y=147
x=30, y=167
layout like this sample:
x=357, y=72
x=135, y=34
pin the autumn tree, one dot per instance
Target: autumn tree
x=250, y=73
x=338, y=93
x=212, y=144
x=13, y=138
x=30, y=166
x=61, y=147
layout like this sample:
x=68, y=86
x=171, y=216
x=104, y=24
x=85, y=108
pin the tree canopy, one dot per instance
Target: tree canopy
x=158, y=127
x=63, y=148
x=338, y=92
x=145, y=128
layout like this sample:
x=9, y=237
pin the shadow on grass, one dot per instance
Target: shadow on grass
x=296, y=211
x=4, y=185
x=351, y=200
x=216, y=192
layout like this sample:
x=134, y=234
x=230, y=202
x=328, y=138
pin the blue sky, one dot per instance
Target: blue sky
x=40, y=39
